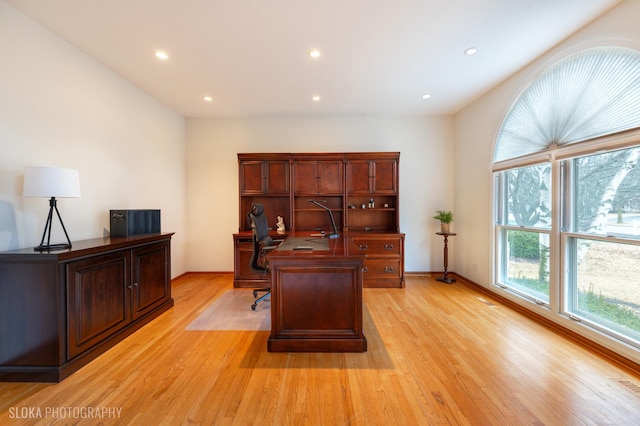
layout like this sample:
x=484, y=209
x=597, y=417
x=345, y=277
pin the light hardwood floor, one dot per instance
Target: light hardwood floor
x=438, y=354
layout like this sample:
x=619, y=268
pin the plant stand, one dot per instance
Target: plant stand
x=445, y=278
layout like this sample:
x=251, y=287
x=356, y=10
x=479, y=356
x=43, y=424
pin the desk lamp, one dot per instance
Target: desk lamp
x=51, y=182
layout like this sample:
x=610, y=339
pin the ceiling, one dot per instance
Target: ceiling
x=251, y=56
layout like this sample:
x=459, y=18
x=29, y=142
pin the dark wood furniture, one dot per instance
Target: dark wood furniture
x=243, y=275
x=316, y=298
x=347, y=183
x=445, y=277
x=61, y=309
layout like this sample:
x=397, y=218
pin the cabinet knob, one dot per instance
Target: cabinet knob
x=388, y=268
x=363, y=246
x=388, y=246
x=364, y=269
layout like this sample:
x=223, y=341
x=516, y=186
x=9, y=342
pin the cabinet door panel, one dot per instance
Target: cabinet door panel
x=330, y=173
x=251, y=177
x=358, y=177
x=305, y=177
x=151, y=276
x=385, y=177
x=97, y=299
x=277, y=177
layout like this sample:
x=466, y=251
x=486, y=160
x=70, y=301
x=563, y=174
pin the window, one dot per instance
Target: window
x=567, y=192
x=602, y=237
x=523, y=224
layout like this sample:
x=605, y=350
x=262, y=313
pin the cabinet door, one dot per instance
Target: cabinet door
x=150, y=285
x=330, y=177
x=372, y=177
x=359, y=177
x=251, y=177
x=277, y=177
x=305, y=174
x=318, y=177
x=97, y=299
x=385, y=177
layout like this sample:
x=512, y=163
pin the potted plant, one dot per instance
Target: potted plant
x=445, y=217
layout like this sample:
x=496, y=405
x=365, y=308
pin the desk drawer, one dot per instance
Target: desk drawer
x=379, y=246
x=390, y=268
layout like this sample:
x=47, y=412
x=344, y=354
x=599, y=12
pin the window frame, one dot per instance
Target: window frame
x=562, y=269
x=501, y=229
x=569, y=237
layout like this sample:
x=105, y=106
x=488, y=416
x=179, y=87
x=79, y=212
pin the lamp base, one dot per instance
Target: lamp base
x=53, y=205
x=50, y=247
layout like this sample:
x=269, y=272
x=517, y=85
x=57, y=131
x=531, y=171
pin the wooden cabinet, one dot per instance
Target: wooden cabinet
x=318, y=178
x=384, y=262
x=372, y=193
x=264, y=177
x=373, y=176
x=59, y=310
x=323, y=177
x=360, y=188
x=243, y=275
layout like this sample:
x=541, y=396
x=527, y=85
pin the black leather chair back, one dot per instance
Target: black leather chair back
x=261, y=238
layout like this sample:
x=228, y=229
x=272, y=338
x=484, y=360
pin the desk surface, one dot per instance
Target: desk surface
x=304, y=243
x=340, y=247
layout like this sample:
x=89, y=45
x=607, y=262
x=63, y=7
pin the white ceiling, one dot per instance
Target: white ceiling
x=377, y=56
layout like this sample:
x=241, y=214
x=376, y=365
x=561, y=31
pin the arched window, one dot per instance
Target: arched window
x=580, y=261
x=586, y=95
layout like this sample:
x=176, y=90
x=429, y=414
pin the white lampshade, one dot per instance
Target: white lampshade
x=51, y=182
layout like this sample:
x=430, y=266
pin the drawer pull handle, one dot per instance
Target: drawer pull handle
x=388, y=268
x=363, y=247
x=388, y=246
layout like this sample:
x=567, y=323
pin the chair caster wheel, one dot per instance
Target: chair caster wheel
x=253, y=307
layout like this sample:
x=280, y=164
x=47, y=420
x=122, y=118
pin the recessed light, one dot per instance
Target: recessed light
x=471, y=51
x=314, y=53
x=208, y=98
x=316, y=98
x=162, y=55
x=427, y=96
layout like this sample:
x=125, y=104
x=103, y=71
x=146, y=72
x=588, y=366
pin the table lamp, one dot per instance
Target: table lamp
x=51, y=182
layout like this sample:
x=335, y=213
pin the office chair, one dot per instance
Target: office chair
x=262, y=244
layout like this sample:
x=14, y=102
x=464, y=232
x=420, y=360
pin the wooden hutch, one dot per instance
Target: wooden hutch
x=361, y=189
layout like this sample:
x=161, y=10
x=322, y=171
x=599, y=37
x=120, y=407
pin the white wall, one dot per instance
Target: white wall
x=476, y=129
x=426, y=171
x=59, y=107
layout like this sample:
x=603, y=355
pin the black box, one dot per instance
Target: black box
x=125, y=223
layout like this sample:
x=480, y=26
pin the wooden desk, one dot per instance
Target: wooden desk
x=316, y=298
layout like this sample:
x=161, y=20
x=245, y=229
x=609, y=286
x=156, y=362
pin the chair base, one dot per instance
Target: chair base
x=258, y=299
